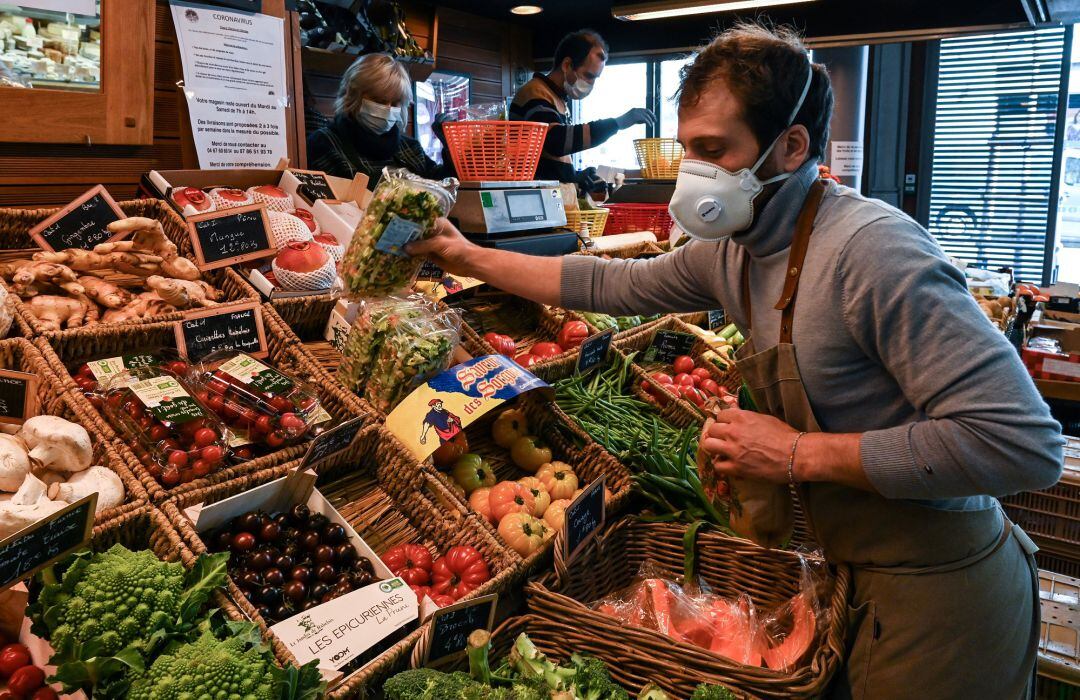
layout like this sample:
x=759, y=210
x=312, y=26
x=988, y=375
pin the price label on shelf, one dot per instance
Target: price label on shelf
x=584, y=518
x=48, y=540
x=224, y=238
x=333, y=441
x=593, y=352
x=81, y=224
x=667, y=345
x=452, y=625
x=18, y=396
x=235, y=327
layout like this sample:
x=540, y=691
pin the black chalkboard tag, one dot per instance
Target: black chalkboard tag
x=81, y=224
x=584, y=518
x=333, y=441
x=313, y=185
x=430, y=271
x=33, y=548
x=717, y=319
x=667, y=345
x=18, y=396
x=452, y=625
x=227, y=327
x=594, y=350
x=230, y=236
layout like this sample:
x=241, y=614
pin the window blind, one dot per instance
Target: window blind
x=993, y=147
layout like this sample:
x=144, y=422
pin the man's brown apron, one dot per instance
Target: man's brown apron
x=944, y=602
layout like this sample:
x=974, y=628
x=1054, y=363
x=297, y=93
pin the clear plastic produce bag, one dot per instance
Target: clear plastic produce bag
x=420, y=348
x=375, y=321
x=403, y=209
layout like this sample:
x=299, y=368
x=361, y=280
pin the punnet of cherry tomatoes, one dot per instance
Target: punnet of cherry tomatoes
x=687, y=379
x=22, y=680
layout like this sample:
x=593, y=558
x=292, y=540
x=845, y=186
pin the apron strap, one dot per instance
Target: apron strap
x=800, y=243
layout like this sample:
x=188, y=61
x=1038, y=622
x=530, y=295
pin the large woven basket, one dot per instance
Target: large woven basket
x=527, y=322
x=495, y=150
x=396, y=512
x=15, y=223
x=20, y=355
x=633, y=250
x=730, y=566
x=64, y=353
x=591, y=220
x=659, y=158
x=1052, y=516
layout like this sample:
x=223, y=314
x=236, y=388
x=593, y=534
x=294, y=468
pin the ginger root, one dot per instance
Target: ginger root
x=140, y=264
x=29, y=280
x=149, y=237
x=106, y=293
x=56, y=312
x=183, y=294
x=143, y=306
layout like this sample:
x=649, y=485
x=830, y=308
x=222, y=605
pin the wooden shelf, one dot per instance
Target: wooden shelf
x=335, y=63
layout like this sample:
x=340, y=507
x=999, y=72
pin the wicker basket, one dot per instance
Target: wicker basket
x=659, y=158
x=1059, y=638
x=730, y=566
x=593, y=221
x=1052, y=515
x=527, y=322
x=395, y=511
x=64, y=353
x=53, y=399
x=634, y=250
x=15, y=223
x=495, y=150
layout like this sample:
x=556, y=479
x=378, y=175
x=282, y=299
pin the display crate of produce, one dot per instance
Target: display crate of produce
x=1059, y=637
x=731, y=567
x=628, y=251
x=632, y=218
x=17, y=245
x=495, y=150
x=559, y=642
x=52, y=398
x=381, y=500
x=66, y=356
x=1052, y=515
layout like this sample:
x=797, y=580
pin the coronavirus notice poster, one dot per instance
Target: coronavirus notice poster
x=234, y=84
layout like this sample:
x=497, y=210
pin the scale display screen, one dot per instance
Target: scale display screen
x=525, y=206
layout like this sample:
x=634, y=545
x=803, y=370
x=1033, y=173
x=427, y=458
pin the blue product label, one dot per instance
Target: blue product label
x=398, y=233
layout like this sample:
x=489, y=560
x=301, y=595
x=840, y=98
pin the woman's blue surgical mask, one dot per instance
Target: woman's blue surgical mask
x=380, y=118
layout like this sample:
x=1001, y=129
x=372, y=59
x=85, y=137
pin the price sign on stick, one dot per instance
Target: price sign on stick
x=667, y=345
x=584, y=518
x=332, y=442
x=18, y=396
x=594, y=351
x=223, y=238
x=234, y=327
x=33, y=548
x=452, y=625
x=313, y=185
x=716, y=319
x=82, y=224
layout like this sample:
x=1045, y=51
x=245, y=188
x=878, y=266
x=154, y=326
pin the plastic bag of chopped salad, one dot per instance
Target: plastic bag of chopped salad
x=403, y=209
x=418, y=349
x=376, y=320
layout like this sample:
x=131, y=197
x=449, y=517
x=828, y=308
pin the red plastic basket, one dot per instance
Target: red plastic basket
x=631, y=218
x=495, y=150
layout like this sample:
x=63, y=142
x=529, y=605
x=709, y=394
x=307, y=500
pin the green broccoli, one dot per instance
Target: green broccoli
x=428, y=684
x=712, y=692
x=653, y=692
x=531, y=663
x=592, y=681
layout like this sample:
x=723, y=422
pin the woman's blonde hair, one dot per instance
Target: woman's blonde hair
x=377, y=77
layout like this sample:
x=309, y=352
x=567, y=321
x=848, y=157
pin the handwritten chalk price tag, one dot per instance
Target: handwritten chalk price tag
x=223, y=238
x=452, y=625
x=333, y=441
x=593, y=352
x=584, y=518
x=234, y=327
x=313, y=185
x=667, y=345
x=716, y=319
x=82, y=224
x=18, y=396
x=33, y=548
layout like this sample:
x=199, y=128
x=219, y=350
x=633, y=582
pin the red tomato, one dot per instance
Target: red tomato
x=201, y=468
x=459, y=572
x=572, y=334
x=692, y=395
x=178, y=459
x=701, y=373
x=647, y=388
x=448, y=452
x=683, y=364
x=663, y=378
x=502, y=344
x=710, y=387
x=204, y=437
x=45, y=693
x=26, y=680
x=8, y=695
x=546, y=350
x=12, y=658
x=685, y=379
x=442, y=600
x=527, y=360
x=412, y=562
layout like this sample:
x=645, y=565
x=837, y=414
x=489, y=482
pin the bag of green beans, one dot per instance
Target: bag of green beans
x=403, y=209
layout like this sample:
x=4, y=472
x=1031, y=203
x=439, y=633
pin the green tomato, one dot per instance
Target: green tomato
x=508, y=427
x=471, y=472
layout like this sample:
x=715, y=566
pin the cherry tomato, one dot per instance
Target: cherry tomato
x=264, y=424
x=213, y=454
x=204, y=437
x=281, y=404
x=201, y=468
x=96, y=402
x=215, y=403
x=710, y=387
x=12, y=658
x=701, y=373
x=275, y=439
x=84, y=371
x=647, y=388
x=178, y=459
x=170, y=476
x=178, y=367
x=692, y=395
x=663, y=378
x=683, y=364
x=242, y=452
x=291, y=422
x=684, y=379
x=26, y=680
x=45, y=693
x=115, y=400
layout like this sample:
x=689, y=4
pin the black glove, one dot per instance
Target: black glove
x=588, y=181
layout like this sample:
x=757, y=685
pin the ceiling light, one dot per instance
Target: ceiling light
x=526, y=9
x=662, y=10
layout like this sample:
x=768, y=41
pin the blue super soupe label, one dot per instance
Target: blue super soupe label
x=398, y=233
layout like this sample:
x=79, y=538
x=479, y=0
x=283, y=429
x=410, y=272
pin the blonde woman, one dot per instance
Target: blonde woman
x=368, y=129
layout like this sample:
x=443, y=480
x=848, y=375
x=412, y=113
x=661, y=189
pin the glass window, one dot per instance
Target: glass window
x=669, y=83
x=442, y=92
x=621, y=87
x=54, y=44
x=1068, y=213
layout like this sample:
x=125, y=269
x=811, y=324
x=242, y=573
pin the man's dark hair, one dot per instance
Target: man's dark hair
x=766, y=70
x=577, y=46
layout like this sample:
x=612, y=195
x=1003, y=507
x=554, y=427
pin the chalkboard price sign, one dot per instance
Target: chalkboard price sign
x=584, y=518
x=81, y=224
x=332, y=442
x=234, y=327
x=32, y=549
x=313, y=185
x=18, y=396
x=716, y=319
x=667, y=345
x=223, y=238
x=452, y=625
x=594, y=351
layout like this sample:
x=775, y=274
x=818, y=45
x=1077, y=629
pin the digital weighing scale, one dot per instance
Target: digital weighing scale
x=514, y=215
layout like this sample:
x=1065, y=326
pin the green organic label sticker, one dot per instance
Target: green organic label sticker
x=111, y=366
x=248, y=370
x=167, y=399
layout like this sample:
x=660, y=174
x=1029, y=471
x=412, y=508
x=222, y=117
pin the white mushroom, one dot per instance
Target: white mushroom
x=16, y=517
x=51, y=478
x=14, y=464
x=30, y=492
x=100, y=480
x=57, y=444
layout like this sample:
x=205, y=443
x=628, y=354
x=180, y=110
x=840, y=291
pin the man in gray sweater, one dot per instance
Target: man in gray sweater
x=890, y=403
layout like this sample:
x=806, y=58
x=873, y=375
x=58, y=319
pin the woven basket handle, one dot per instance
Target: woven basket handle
x=690, y=550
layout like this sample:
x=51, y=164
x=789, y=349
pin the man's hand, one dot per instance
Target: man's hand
x=637, y=115
x=447, y=248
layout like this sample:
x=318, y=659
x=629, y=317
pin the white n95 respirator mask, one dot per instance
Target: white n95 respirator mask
x=711, y=203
